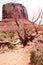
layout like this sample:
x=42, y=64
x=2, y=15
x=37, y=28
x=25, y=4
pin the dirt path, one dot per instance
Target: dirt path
x=16, y=57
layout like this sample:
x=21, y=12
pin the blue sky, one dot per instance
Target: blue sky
x=31, y=5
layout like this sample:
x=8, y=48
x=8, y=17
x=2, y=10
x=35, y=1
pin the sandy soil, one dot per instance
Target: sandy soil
x=16, y=57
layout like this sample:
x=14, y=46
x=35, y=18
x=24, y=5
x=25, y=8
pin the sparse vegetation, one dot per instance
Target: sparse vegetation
x=1, y=39
x=5, y=32
x=10, y=45
x=33, y=55
x=36, y=57
x=7, y=35
x=11, y=33
x=4, y=36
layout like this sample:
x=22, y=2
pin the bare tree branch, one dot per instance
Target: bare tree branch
x=40, y=17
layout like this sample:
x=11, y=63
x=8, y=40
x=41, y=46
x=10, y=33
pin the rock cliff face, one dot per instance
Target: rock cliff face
x=11, y=10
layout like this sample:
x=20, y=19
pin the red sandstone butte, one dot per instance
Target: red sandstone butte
x=11, y=10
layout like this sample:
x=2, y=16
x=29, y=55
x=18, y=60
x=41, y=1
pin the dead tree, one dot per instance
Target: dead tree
x=39, y=19
x=23, y=39
x=31, y=37
x=26, y=37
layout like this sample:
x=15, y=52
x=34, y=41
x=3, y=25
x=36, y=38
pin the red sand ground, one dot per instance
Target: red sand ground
x=17, y=57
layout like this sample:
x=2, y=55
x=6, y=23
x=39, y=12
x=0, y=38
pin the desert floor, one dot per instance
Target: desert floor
x=16, y=57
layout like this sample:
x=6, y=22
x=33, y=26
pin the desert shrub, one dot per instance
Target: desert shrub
x=36, y=57
x=4, y=36
x=11, y=33
x=1, y=39
x=40, y=59
x=5, y=32
x=10, y=45
x=33, y=55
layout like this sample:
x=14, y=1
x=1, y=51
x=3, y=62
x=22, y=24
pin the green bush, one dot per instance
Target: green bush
x=33, y=55
x=40, y=59
x=36, y=57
